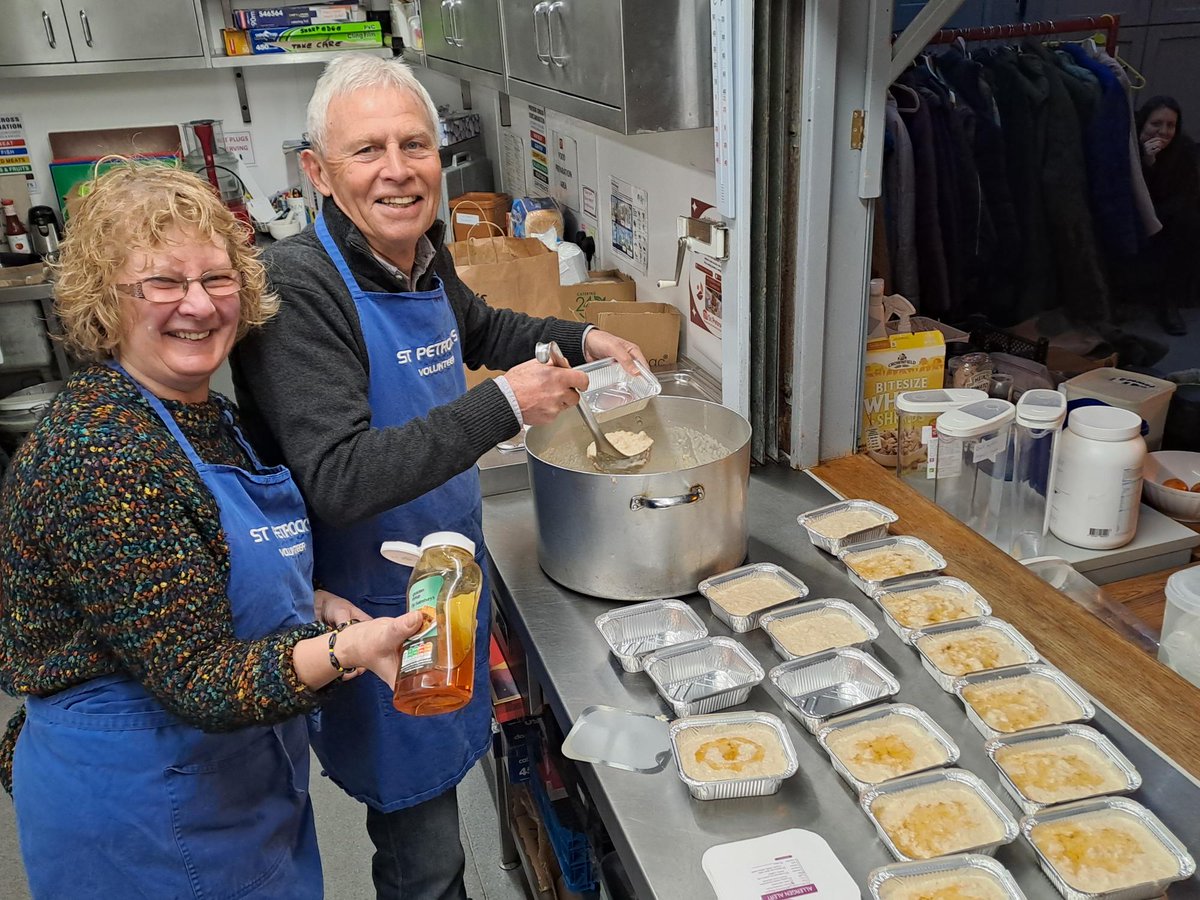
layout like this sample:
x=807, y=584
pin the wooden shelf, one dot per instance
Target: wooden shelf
x=286, y=59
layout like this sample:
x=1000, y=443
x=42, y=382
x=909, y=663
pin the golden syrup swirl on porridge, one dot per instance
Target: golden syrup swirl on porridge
x=1104, y=851
x=731, y=750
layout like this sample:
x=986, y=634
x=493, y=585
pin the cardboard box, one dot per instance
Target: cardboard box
x=654, y=327
x=293, y=16
x=603, y=284
x=315, y=38
x=899, y=362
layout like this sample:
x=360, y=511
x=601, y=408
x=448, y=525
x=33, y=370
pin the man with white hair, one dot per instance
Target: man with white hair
x=357, y=385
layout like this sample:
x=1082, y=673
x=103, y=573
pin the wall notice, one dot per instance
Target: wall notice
x=630, y=237
x=704, y=282
x=238, y=143
x=512, y=164
x=538, y=152
x=566, y=171
x=14, y=151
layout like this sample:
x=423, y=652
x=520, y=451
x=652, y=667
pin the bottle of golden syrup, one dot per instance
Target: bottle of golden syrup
x=437, y=664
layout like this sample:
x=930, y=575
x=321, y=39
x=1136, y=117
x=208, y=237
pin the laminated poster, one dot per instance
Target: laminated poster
x=704, y=281
x=539, y=162
x=630, y=238
x=14, y=152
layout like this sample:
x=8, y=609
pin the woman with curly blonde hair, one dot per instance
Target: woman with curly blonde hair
x=156, y=602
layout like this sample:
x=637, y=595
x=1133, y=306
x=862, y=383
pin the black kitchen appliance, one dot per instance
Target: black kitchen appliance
x=43, y=231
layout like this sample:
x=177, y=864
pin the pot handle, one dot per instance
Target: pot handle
x=694, y=495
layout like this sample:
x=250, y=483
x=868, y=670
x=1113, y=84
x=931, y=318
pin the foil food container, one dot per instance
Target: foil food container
x=729, y=788
x=1144, y=891
x=1133, y=778
x=925, y=779
x=634, y=631
x=960, y=862
x=703, y=676
x=766, y=571
x=830, y=683
x=612, y=392
x=904, y=632
x=936, y=562
x=946, y=680
x=815, y=606
x=810, y=522
x=1087, y=709
x=875, y=713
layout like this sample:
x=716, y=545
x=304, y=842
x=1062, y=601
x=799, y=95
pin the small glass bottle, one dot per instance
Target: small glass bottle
x=437, y=664
x=14, y=229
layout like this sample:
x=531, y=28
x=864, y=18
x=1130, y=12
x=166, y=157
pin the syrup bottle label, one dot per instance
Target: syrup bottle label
x=419, y=649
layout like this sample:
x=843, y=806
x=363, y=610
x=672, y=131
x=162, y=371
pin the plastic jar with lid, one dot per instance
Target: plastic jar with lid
x=1026, y=509
x=972, y=463
x=1180, y=647
x=1097, y=484
x=916, y=432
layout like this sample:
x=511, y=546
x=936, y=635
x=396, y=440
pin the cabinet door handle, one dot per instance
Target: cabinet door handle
x=557, y=7
x=447, y=32
x=87, y=27
x=454, y=4
x=49, y=26
x=543, y=58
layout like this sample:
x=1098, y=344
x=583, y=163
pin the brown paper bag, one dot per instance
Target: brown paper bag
x=508, y=273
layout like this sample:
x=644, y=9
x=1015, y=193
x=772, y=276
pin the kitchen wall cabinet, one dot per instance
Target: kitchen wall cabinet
x=630, y=66
x=462, y=38
x=76, y=37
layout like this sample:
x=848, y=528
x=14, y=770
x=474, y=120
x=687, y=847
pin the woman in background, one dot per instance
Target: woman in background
x=156, y=602
x=1172, y=172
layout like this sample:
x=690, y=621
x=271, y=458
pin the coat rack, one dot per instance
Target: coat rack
x=1108, y=23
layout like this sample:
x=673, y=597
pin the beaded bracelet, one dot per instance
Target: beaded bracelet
x=333, y=660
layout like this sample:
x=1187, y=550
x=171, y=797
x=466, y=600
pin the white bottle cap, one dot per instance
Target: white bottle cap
x=1041, y=408
x=405, y=554
x=1105, y=423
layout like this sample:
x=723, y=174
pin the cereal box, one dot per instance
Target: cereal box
x=896, y=363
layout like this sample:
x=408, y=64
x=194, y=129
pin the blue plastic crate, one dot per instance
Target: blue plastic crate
x=570, y=847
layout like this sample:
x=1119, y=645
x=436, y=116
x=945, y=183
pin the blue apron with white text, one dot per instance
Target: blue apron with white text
x=117, y=797
x=378, y=755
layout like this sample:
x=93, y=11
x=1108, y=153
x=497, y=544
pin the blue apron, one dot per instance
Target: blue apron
x=117, y=797
x=382, y=757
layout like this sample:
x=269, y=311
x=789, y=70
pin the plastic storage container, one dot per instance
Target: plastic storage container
x=1097, y=486
x=1025, y=510
x=972, y=461
x=1180, y=647
x=1145, y=395
x=916, y=435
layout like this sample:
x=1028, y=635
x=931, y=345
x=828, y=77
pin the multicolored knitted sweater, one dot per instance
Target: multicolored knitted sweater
x=113, y=560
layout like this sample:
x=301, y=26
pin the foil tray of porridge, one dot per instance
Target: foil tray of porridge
x=740, y=596
x=1109, y=847
x=816, y=625
x=968, y=876
x=878, y=564
x=1060, y=764
x=732, y=754
x=703, y=676
x=954, y=649
x=921, y=602
x=938, y=813
x=1004, y=701
x=635, y=631
x=836, y=526
x=830, y=683
x=882, y=742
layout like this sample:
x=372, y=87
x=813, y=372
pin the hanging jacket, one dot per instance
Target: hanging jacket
x=900, y=194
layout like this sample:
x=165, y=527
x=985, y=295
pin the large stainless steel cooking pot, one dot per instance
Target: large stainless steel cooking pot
x=654, y=533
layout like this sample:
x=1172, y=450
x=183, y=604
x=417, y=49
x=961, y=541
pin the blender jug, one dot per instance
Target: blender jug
x=1026, y=512
x=207, y=156
x=972, y=459
x=916, y=434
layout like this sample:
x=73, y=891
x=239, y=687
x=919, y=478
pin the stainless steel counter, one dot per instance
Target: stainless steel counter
x=658, y=829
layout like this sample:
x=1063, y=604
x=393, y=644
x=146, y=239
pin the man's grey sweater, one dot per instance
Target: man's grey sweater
x=302, y=379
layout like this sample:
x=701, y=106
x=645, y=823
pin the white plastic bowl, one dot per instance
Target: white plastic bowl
x=1182, y=464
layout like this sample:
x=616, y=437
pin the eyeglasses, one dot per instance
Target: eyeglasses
x=164, y=289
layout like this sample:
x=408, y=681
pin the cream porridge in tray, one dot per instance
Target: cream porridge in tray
x=959, y=884
x=971, y=650
x=895, y=561
x=937, y=819
x=816, y=631
x=929, y=606
x=1027, y=701
x=750, y=593
x=1104, y=850
x=838, y=524
x=1060, y=769
x=734, y=750
x=886, y=747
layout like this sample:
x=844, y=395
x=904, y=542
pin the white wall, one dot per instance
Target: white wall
x=672, y=167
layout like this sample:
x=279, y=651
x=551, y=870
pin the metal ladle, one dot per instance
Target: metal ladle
x=608, y=459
